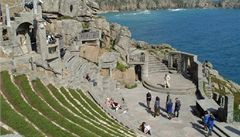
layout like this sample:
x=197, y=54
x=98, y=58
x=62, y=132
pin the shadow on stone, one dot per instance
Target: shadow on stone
x=146, y=108
x=199, y=128
x=142, y=104
x=161, y=85
x=236, y=131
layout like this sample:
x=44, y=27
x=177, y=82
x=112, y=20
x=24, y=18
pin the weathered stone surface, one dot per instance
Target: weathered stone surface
x=72, y=8
x=90, y=53
x=127, y=77
x=104, y=26
x=69, y=29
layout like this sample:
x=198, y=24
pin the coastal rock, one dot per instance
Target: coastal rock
x=104, y=26
x=71, y=8
x=120, y=5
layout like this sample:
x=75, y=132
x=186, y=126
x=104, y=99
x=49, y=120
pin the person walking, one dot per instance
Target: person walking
x=210, y=124
x=177, y=107
x=148, y=98
x=169, y=109
x=157, y=107
x=205, y=119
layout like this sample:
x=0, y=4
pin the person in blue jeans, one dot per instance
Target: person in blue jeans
x=210, y=124
x=169, y=109
x=205, y=119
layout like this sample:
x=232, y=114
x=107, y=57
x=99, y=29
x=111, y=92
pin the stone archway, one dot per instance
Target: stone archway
x=26, y=39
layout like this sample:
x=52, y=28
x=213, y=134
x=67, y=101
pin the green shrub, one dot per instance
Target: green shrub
x=121, y=67
x=85, y=25
x=131, y=86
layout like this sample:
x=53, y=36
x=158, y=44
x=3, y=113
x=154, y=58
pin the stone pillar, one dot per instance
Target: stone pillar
x=35, y=6
x=145, y=67
x=170, y=61
x=41, y=39
x=8, y=16
x=229, y=106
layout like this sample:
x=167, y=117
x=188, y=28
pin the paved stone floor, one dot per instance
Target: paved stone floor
x=186, y=125
x=177, y=81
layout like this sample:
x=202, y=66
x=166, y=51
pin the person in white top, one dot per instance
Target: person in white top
x=166, y=81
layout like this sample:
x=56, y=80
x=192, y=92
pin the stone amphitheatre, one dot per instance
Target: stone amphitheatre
x=60, y=60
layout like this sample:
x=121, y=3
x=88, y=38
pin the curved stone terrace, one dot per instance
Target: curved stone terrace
x=179, y=85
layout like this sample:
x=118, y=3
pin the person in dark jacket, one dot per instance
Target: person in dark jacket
x=169, y=109
x=157, y=107
x=148, y=98
x=177, y=107
x=167, y=99
x=210, y=124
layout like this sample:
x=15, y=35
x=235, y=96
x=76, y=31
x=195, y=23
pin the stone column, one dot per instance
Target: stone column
x=145, y=67
x=35, y=6
x=170, y=60
x=41, y=39
x=229, y=106
x=8, y=16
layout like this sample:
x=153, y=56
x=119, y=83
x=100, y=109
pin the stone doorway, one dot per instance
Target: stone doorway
x=138, y=72
x=26, y=39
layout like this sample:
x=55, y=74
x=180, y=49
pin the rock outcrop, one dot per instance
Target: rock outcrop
x=110, y=5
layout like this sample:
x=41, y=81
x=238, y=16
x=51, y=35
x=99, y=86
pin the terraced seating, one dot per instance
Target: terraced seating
x=48, y=111
x=16, y=121
x=12, y=94
x=3, y=131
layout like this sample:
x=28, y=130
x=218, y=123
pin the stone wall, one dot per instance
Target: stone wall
x=226, y=103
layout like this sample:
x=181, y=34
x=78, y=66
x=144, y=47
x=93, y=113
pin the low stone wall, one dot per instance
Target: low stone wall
x=190, y=67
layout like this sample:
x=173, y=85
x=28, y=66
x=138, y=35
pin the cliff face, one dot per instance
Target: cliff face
x=110, y=5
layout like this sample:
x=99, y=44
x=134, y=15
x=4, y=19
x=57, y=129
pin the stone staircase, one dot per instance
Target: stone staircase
x=155, y=65
x=77, y=68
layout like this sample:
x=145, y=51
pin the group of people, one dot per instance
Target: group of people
x=208, y=121
x=169, y=106
x=110, y=102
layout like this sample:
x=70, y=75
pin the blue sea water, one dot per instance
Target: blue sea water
x=212, y=34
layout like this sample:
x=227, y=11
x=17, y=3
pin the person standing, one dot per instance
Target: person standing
x=166, y=81
x=148, y=98
x=167, y=99
x=177, y=107
x=169, y=109
x=157, y=107
x=210, y=124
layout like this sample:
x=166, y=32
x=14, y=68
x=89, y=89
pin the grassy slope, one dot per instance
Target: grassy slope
x=42, y=107
x=14, y=97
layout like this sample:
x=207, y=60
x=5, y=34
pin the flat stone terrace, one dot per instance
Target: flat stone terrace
x=187, y=125
x=178, y=84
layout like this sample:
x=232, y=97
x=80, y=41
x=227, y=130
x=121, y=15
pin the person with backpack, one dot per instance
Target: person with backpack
x=210, y=124
x=177, y=107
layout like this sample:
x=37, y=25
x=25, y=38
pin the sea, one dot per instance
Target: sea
x=212, y=34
